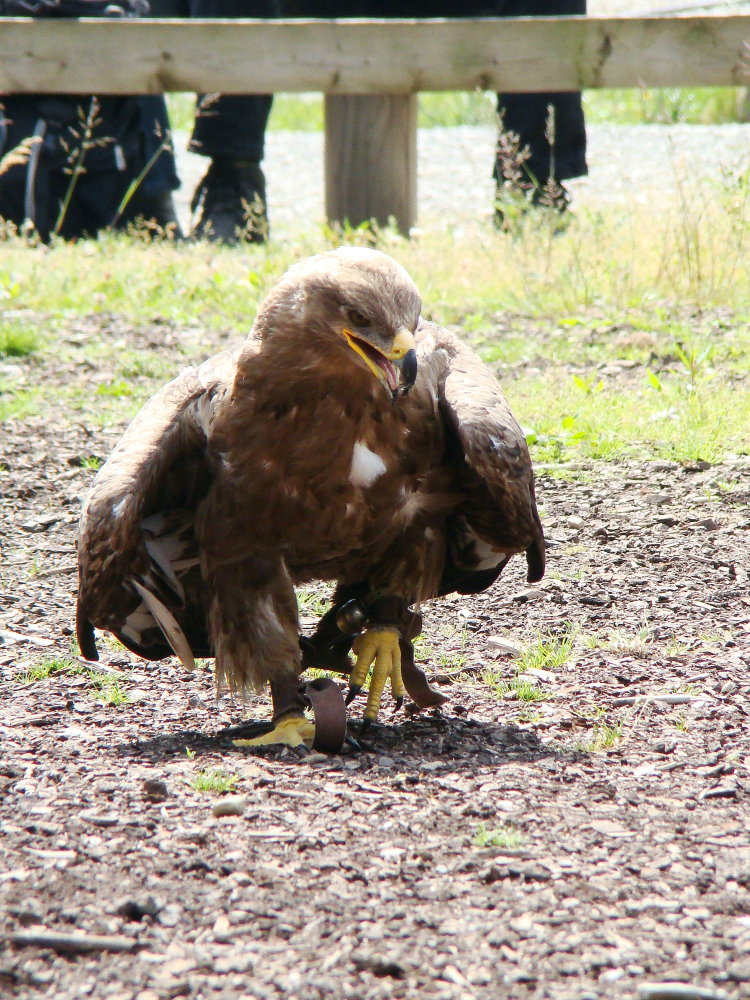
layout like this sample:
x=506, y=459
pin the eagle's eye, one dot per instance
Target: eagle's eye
x=357, y=318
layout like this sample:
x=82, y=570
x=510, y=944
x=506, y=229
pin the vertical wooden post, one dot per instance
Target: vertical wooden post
x=371, y=158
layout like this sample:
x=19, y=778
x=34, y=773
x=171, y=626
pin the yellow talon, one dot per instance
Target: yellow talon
x=378, y=647
x=292, y=731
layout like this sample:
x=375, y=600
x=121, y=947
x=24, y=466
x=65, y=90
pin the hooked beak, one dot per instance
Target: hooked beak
x=384, y=365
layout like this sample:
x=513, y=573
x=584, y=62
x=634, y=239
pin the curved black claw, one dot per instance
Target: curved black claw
x=351, y=742
x=399, y=704
x=352, y=693
x=365, y=725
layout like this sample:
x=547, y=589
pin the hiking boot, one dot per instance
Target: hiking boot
x=156, y=214
x=231, y=203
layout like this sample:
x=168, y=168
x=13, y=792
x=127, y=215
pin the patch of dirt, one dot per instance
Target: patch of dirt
x=570, y=847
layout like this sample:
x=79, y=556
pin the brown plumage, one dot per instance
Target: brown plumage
x=298, y=457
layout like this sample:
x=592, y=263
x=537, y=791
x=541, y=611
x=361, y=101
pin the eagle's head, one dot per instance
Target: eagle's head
x=353, y=298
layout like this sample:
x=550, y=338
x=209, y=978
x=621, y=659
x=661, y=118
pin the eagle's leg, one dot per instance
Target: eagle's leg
x=378, y=647
x=408, y=573
x=254, y=626
x=290, y=724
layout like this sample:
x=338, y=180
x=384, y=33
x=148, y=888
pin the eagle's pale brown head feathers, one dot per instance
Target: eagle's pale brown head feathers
x=353, y=298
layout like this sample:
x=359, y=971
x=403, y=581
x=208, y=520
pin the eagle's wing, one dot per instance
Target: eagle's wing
x=484, y=442
x=138, y=559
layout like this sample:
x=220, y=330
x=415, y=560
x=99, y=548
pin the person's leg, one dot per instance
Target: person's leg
x=551, y=134
x=25, y=197
x=152, y=200
x=551, y=125
x=230, y=201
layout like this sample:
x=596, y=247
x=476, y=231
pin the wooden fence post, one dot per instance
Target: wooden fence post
x=371, y=158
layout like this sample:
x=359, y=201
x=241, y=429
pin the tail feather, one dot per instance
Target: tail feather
x=85, y=636
x=536, y=558
x=169, y=625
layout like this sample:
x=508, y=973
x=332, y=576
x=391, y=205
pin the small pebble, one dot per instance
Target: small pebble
x=657, y=499
x=504, y=645
x=677, y=991
x=101, y=819
x=154, y=789
x=169, y=916
x=526, y=596
x=137, y=909
x=229, y=805
x=727, y=791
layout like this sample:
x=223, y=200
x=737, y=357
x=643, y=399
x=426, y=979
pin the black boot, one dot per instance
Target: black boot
x=231, y=203
x=155, y=213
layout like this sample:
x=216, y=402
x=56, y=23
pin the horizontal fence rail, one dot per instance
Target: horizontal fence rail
x=370, y=57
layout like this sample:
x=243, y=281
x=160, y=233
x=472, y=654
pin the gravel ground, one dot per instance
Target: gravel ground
x=626, y=163
x=573, y=847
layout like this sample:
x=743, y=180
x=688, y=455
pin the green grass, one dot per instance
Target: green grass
x=103, y=687
x=665, y=106
x=621, y=641
x=677, y=417
x=36, y=672
x=663, y=293
x=524, y=689
x=311, y=602
x=17, y=340
x=547, y=652
x=450, y=659
x=117, y=389
x=107, y=689
x=214, y=780
x=503, y=837
x=603, y=737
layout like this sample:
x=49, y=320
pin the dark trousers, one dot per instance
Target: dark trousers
x=86, y=154
x=226, y=124
x=528, y=114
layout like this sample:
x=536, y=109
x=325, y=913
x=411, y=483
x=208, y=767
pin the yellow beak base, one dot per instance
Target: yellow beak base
x=403, y=342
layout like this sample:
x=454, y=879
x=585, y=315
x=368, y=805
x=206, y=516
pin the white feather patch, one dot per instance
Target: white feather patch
x=412, y=504
x=366, y=466
x=266, y=620
x=169, y=626
x=158, y=549
x=138, y=622
x=119, y=507
x=488, y=556
x=203, y=408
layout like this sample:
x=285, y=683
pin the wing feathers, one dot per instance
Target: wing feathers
x=490, y=448
x=169, y=626
x=163, y=565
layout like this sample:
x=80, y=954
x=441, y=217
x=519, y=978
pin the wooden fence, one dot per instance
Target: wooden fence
x=370, y=72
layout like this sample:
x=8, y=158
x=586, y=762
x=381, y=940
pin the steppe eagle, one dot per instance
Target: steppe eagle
x=346, y=440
